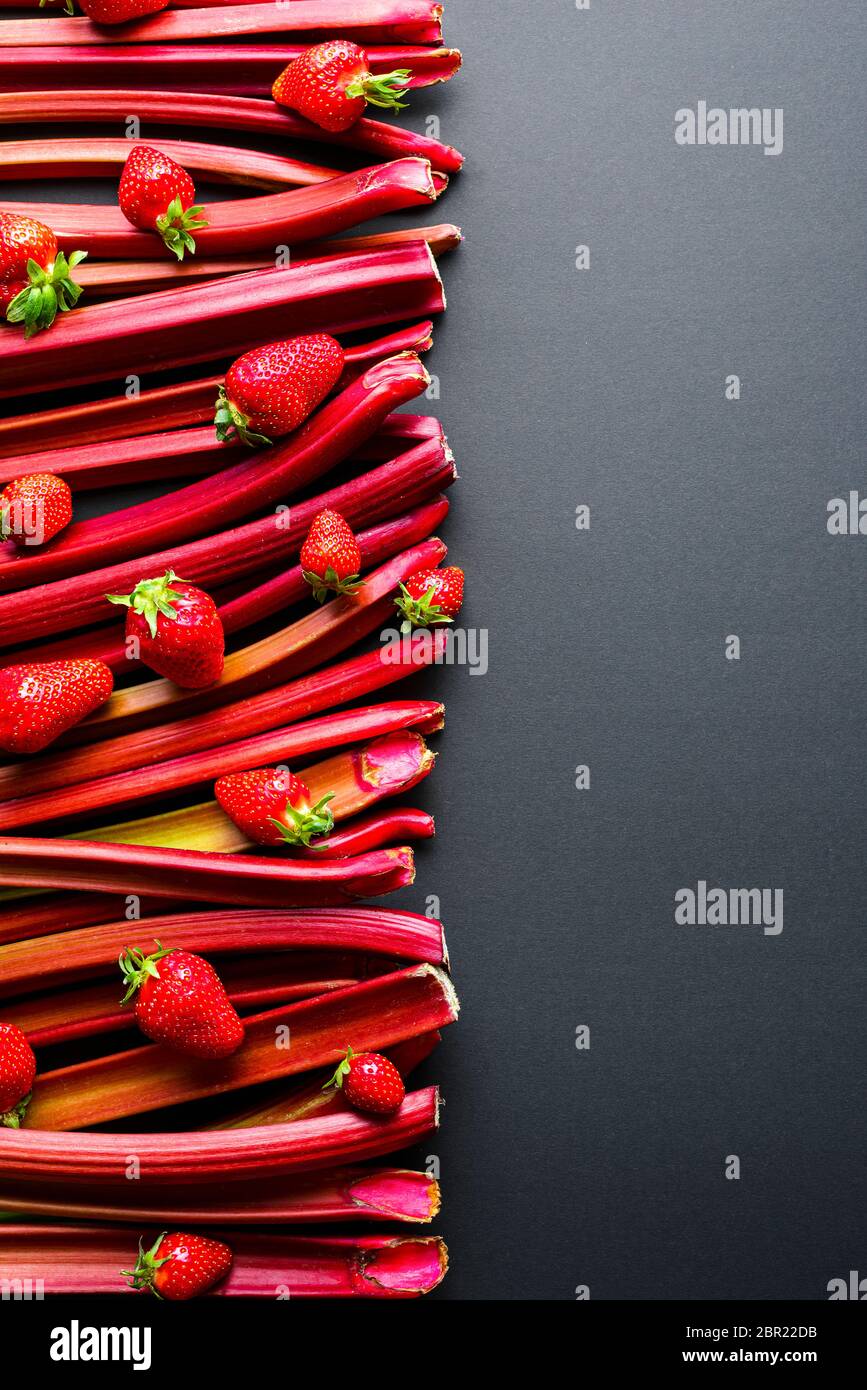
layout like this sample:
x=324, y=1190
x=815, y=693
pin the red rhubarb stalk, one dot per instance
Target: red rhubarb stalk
x=389, y=489
x=85, y=159
x=373, y=21
x=33, y=916
x=401, y=827
x=345, y=1194
x=28, y=966
x=253, y=224
x=85, y=1260
x=264, y=479
x=378, y=1013
x=381, y=139
x=62, y=1016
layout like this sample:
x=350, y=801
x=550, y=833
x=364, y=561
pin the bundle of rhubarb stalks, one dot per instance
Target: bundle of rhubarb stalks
x=209, y=1033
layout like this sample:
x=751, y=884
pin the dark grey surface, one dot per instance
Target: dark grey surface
x=605, y=387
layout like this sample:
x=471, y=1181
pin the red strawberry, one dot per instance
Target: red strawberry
x=177, y=628
x=331, y=84
x=34, y=508
x=41, y=700
x=273, y=807
x=330, y=557
x=17, y=1074
x=119, y=11
x=370, y=1082
x=180, y=1266
x=430, y=597
x=155, y=193
x=181, y=1001
x=271, y=390
x=34, y=276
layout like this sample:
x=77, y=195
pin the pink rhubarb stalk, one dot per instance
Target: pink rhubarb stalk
x=383, y=140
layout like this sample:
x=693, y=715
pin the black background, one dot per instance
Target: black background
x=558, y=387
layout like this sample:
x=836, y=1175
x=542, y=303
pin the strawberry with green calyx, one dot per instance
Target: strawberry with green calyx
x=180, y=1266
x=40, y=700
x=272, y=806
x=177, y=628
x=330, y=556
x=35, y=278
x=271, y=390
x=181, y=1001
x=34, y=508
x=369, y=1081
x=156, y=194
x=431, y=597
x=17, y=1074
x=331, y=84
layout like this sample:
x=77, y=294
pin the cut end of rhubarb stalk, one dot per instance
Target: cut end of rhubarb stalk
x=398, y=1195
x=397, y=368
x=405, y=1266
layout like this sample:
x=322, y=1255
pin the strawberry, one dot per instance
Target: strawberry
x=177, y=628
x=273, y=807
x=430, y=597
x=155, y=193
x=180, y=1266
x=39, y=701
x=370, y=1082
x=34, y=276
x=330, y=557
x=33, y=509
x=181, y=1001
x=271, y=390
x=331, y=84
x=120, y=11
x=17, y=1074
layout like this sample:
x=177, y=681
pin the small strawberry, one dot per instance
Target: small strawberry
x=272, y=807
x=370, y=1082
x=330, y=557
x=33, y=509
x=17, y=1074
x=180, y=1000
x=331, y=84
x=430, y=597
x=155, y=193
x=39, y=701
x=177, y=628
x=271, y=390
x=180, y=1266
x=34, y=276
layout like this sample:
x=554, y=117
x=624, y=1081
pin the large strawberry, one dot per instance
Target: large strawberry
x=330, y=556
x=34, y=276
x=156, y=194
x=33, y=509
x=271, y=390
x=177, y=629
x=370, y=1082
x=273, y=807
x=180, y=1000
x=180, y=1266
x=331, y=84
x=120, y=11
x=17, y=1074
x=39, y=701
x=430, y=597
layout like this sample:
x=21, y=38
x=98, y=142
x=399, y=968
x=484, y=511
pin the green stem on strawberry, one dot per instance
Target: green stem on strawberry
x=147, y=1264
x=176, y=225
x=135, y=967
x=51, y=288
x=233, y=425
x=336, y=1081
x=322, y=585
x=12, y=1118
x=383, y=89
x=419, y=612
x=150, y=598
x=306, y=823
